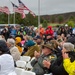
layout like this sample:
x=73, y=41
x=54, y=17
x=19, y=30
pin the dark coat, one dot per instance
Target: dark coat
x=71, y=39
x=38, y=66
x=57, y=66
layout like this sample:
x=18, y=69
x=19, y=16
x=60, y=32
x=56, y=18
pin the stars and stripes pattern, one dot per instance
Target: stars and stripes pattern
x=0, y=9
x=5, y=9
x=18, y=10
x=23, y=7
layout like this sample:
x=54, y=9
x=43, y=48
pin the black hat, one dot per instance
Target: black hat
x=3, y=46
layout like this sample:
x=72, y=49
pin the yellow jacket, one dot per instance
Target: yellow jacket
x=69, y=66
x=19, y=48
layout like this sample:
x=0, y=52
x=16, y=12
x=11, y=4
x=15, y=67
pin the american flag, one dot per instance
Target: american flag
x=32, y=13
x=23, y=7
x=5, y=10
x=17, y=9
x=23, y=15
x=0, y=9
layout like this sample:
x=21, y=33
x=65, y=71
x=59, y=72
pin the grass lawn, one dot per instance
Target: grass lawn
x=54, y=24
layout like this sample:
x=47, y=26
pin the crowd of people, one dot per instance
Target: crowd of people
x=54, y=50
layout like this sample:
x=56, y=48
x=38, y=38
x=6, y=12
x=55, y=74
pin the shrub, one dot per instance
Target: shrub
x=71, y=23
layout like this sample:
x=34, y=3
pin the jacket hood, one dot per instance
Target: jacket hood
x=50, y=27
x=18, y=40
x=30, y=43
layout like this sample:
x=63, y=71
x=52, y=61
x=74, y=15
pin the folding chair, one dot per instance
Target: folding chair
x=28, y=66
x=48, y=74
x=25, y=58
x=32, y=59
x=21, y=64
x=28, y=73
x=19, y=71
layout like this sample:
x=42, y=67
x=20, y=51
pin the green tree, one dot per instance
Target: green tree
x=29, y=20
x=41, y=20
x=3, y=18
x=71, y=23
x=52, y=19
x=45, y=23
x=72, y=18
x=60, y=19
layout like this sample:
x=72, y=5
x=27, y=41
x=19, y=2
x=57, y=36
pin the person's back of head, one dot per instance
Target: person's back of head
x=3, y=47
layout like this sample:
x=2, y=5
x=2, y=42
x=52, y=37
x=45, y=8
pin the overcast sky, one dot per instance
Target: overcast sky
x=47, y=7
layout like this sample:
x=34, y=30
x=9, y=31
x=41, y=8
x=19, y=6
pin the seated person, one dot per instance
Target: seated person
x=47, y=55
x=68, y=64
x=32, y=47
x=6, y=60
x=57, y=67
x=13, y=49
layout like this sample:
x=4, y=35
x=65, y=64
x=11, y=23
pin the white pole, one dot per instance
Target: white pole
x=14, y=17
x=38, y=13
x=8, y=19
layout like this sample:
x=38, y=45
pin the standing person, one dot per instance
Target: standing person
x=41, y=30
x=6, y=60
x=49, y=31
x=5, y=33
x=70, y=30
x=63, y=31
x=32, y=32
x=49, y=34
x=13, y=31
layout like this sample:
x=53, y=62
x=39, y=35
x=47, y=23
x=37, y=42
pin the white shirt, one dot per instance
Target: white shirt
x=6, y=64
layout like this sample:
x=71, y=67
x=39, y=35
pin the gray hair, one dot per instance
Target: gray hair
x=68, y=46
x=11, y=41
x=1, y=38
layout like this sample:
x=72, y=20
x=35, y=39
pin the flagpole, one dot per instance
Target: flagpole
x=8, y=20
x=38, y=13
x=14, y=17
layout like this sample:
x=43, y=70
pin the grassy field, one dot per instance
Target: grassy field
x=54, y=24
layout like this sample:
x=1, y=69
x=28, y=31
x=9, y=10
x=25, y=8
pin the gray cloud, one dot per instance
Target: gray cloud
x=46, y=6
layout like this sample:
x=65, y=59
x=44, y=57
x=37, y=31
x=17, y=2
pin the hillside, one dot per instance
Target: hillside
x=66, y=16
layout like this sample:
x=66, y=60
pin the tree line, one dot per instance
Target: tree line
x=31, y=20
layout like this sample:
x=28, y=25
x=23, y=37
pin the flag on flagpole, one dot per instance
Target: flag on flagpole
x=23, y=15
x=23, y=7
x=32, y=13
x=17, y=9
x=0, y=9
x=5, y=9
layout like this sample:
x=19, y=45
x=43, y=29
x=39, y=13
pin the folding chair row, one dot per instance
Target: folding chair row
x=20, y=71
x=25, y=58
x=24, y=65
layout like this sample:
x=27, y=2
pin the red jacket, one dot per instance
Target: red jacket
x=49, y=31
